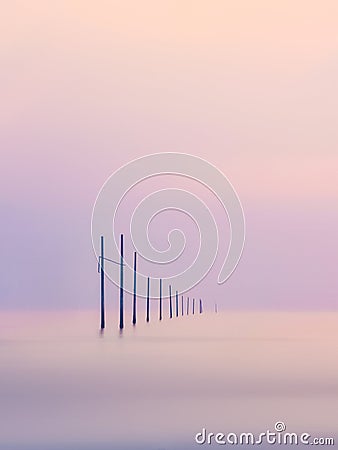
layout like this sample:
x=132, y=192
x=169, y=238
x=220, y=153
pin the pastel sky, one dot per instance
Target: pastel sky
x=250, y=86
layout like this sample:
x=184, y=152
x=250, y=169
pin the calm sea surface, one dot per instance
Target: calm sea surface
x=64, y=386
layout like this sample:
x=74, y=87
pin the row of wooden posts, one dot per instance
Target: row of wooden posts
x=101, y=262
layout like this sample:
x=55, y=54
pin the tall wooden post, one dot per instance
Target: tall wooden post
x=193, y=306
x=170, y=304
x=121, y=285
x=101, y=269
x=134, y=297
x=182, y=306
x=148, y=306
x=176, y=303
x=160, y=299
x=201, y=307
x=187, y=306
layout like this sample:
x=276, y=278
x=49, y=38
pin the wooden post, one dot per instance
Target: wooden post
x=101, y=269
x=182, y=306
x=170, y=304
x=148, y=305
x=187, y=306
x=176, y=303
x=134, y=297
x=160, y=298
x=193, y=306
x=201, y=307
x=121, y=285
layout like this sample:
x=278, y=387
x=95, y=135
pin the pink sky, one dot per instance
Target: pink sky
x=249, y=86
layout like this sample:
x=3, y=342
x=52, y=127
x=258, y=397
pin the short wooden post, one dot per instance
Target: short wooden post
x=160, y=298
x=121, y=285
x=134, y=296
x=170, y=304
x=101, y=270
x=148, y=305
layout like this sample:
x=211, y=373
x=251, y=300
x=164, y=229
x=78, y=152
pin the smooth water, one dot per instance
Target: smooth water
x=65, y=386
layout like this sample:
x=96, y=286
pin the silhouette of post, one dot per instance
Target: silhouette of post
x=187, y=306
x=182, y=306
x=121, y=285
x=176, y=303
x=201, y=307
x=193, y=306
x=134, y=297
x=216, y=309
x=101, y=270
x=160, y=298
x=148, y=305
x=170, y=304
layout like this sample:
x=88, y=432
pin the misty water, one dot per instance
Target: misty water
x=66, y=386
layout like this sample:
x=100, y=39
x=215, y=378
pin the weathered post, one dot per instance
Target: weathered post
x=121, y=285
x=193, y=306
x=187, y=306
x=134, y=297
x=148, y=305
x=170, y=304
x=176, y=303
x=201, y=307
x=182, y=306
x=101, y=270
x=160, y=298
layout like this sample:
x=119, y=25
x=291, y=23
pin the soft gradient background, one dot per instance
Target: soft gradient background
x=249, y=85
x=87, y=86
x=64, y=387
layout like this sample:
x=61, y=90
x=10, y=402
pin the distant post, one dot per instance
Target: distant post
x=187, y=306
x=176, y=303
x=182, y=306
x=160, y=298
x=134, y=298
x=170, y=304
x=216, y=309
x=121, y=285
x=201, y=307
x=193, y=306
x=148, y=293
x=101, y=270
